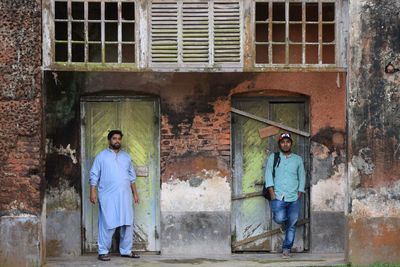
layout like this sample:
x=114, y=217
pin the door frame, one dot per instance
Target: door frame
x=307, y=161
x=118, y=98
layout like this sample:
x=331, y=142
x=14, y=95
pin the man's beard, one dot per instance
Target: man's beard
x=116, y=146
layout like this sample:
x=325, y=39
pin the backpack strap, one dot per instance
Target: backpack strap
x=265, y=191
x=277, y=160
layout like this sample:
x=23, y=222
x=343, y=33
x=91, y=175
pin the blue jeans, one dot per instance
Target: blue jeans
x=286, y=213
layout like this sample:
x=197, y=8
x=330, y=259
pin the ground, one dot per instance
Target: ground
x=235, y=260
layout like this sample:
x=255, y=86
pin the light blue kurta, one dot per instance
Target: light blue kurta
x=113, y=174
x=289, y=176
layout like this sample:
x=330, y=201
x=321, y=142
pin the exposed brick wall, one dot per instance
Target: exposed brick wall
x=209, y=133
x=21, y=163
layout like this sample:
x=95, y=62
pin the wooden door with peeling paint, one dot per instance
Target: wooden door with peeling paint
x=252, y=226
x=138, y=120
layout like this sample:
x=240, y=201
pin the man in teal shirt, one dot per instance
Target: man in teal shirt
x=286, y=189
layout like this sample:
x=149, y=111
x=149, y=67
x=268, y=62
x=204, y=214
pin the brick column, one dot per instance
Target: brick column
x=21, y=134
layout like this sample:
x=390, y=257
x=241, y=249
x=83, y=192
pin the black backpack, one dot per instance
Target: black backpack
x=265, y=191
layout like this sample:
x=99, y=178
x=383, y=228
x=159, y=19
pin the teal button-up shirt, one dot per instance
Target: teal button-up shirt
x=289, y=176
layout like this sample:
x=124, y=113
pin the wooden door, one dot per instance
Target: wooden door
x=138, y=120
x=252, y=225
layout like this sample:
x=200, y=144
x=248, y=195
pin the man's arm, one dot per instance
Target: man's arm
x=269, y=181
x=134, y=192
x=132, y=177
x=302, y=177
x=95, y=173
x=93, y=195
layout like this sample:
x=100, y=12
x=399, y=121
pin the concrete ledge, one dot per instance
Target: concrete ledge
x=20, y=241
x=328, y=232
x=195, y=233
x=373, y=240
x=63, y=233
x=232, y=260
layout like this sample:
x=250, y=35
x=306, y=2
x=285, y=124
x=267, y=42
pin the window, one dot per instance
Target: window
x=196, y=33
x=295, y=33
x=94, y=32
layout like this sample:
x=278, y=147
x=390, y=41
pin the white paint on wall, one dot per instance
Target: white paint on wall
x=211, y=193
x=371, y=203
x=60, y=150
x=329, y=194
x=363, y=161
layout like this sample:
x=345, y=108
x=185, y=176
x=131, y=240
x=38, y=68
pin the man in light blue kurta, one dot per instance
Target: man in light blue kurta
x=286, y=188
x=114, y=176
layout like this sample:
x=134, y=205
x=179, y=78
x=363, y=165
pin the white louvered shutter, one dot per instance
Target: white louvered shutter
x=164, y=32
x=196, y=33
x=227, y=32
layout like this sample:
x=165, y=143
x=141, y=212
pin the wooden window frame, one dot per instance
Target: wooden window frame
x=143, y=60
x=337, y=42
x=49, y=41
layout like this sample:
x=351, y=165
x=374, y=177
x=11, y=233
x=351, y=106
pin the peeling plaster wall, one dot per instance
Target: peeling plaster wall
x=63, y=200
x=208, y=191
x=195, y=143
x=20, y=240
x=374, y=133
x=21, y=135
x=328, y=190
x=195, y=214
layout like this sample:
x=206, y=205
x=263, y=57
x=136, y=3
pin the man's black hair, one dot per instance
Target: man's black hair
x=112, y=132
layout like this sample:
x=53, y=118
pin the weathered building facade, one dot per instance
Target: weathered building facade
x=190, y=83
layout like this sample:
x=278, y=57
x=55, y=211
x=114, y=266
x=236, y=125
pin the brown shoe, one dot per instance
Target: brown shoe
x=104, y=257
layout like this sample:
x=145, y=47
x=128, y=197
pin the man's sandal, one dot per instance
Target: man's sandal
x=104, y=257
x=131, y=255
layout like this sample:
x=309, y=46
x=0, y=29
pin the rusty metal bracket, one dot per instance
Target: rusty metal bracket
x=266, y=234
x=274, y=123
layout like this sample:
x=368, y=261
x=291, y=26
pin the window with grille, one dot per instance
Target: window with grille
x=295, y=33
x=94, y=31
x=205, y=33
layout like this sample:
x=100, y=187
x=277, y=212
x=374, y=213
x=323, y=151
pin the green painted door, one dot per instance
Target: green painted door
x=138, y=120
x=252, y=225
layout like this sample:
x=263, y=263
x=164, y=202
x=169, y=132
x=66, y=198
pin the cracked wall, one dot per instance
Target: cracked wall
x=328, y=190
x=195, y=147
x=63, y=169
x=188, y=103
x=374, y=133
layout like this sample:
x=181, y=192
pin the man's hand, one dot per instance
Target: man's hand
x=272, y=193
x=299, y=194
x=136, y=198
x=93, y=195
x=135, y=193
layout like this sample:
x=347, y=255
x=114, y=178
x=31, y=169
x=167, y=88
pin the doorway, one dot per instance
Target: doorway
x=252, y=226
x=138, y=119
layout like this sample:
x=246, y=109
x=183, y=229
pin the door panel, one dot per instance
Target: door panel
x=138, y=120
x=138, y=125
x=251, y=215
x=250, y=156
x=98, y=121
